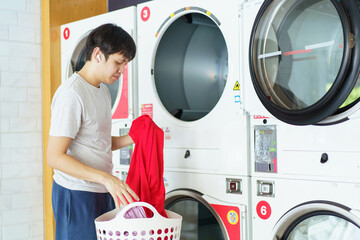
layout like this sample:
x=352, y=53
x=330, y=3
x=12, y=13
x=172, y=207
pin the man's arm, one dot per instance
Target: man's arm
x=59, y=160
x=120, y=142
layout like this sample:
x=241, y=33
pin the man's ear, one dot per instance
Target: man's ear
x=96, y=53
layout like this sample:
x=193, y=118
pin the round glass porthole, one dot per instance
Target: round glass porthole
x=304, y=58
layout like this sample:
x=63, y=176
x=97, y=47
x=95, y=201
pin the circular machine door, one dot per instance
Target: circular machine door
x=200, y=221
x=318, y=221
x=190, y=65
x=305, y=60
x=78, y=60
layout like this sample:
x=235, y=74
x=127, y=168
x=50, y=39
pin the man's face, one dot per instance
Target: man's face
x=114, y=67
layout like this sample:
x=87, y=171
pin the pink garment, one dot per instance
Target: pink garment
x=135, y=212
x=146, y=170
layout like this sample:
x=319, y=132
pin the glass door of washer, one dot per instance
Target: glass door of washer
x=318, y=221
x=322, y=225
x=200, y=220
x=305, y=59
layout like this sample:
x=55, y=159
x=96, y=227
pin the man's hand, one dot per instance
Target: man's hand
x=119, y=190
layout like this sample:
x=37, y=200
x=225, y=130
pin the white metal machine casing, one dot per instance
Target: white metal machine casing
x=307, y=209
x=216, y=142
x=301, y=151
x=251, y=103
x=209, y=210
x=322, y=153
x=296, y=176
x=123, y=91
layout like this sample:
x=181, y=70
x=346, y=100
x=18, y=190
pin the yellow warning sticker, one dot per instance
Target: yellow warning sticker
x=237, y=86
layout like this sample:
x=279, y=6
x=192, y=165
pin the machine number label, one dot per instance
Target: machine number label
x=263, y=210
x=145, y=14
x=66, y=33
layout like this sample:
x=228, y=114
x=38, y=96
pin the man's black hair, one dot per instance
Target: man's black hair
x=111, y=39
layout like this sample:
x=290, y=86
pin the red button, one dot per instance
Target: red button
x=233, y=186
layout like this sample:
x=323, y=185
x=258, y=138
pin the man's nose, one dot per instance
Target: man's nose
x=122, y=69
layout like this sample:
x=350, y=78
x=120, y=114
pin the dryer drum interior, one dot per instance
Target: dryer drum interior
x=78, y=60
x=322, y=225
x=304, y=58
x=318, y=220
x=200, y=221
x=190, y=66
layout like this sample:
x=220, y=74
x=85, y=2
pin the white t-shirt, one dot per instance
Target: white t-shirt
x=83, y=112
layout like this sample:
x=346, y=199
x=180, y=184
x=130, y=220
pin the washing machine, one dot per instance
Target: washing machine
x=213, y=207
x=123, y=92
x=301, y=175
x=297, y=209
x=304, y=60
x=303, y=64
x=189, y=83
x=304, y=181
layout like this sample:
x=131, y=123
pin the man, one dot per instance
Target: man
x=80, y=142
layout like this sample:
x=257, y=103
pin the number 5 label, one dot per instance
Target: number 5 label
x=263, y=210
x=145, y=14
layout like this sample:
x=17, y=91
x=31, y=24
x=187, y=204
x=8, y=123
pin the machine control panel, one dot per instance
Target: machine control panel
x=265, y=151
x=266, y=188
x=233, y=186
x=125, y=152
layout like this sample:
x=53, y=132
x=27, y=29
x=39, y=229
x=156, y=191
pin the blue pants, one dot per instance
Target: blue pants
x=75, y=212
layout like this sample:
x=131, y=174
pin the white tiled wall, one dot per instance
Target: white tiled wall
x=21, y=163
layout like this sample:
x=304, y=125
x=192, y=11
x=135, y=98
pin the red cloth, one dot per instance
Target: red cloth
x=146, y=170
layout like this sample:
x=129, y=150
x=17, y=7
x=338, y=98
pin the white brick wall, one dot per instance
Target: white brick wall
x=21, y=163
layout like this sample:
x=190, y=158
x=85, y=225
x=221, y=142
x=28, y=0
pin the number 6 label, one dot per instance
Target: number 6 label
x=145, y=14
x=263, y=210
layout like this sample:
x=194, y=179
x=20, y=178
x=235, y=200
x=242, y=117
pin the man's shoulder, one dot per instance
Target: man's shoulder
x=74, y=81
x=69, y=88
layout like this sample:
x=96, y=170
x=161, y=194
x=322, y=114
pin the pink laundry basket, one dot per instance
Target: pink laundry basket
x=114, y=226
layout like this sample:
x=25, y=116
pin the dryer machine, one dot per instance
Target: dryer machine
x=189, y=83
x=299, y=67
x=304, y=180
x=290, y=209
x=304, y=60
x=189, y=66
x=212, y=206
x=123, y=94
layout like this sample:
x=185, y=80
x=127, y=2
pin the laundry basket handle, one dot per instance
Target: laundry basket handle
x=137, y=204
